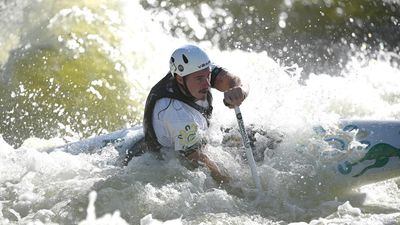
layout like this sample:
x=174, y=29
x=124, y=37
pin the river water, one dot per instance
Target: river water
x=78, y=69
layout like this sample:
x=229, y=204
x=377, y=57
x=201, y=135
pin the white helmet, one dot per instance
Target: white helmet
x=188, y=59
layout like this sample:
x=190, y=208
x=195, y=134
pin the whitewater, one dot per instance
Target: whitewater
x=42, y=187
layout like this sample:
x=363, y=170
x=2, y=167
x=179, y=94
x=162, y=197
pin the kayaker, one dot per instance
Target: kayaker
x=178, y=108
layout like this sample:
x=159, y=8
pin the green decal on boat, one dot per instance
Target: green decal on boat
x=381, y=153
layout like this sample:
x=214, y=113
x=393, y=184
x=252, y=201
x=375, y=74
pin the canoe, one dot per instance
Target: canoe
x=360, y=152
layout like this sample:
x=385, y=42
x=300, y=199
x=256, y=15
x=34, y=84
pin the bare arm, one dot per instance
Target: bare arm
x=231, y=85
x=197, y=156
x=225, y=80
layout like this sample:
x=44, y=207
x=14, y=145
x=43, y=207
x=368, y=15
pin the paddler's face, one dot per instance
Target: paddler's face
x=198, y=83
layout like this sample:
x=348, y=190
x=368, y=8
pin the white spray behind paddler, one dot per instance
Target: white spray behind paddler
x=54, y=187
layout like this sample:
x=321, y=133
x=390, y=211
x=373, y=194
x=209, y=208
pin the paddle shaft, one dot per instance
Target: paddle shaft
x=249, y=152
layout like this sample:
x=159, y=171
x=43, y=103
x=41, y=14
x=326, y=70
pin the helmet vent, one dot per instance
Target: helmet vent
x=172, y=59
x=184, y=58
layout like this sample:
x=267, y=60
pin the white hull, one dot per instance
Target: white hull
x=121, y=140
x=366, y=151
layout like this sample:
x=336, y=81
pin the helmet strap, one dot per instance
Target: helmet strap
x=186, y=89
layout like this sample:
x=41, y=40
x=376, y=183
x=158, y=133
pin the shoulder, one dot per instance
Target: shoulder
x=215, y=72
x=216, y=69
x=162, y=103
x=170, y=109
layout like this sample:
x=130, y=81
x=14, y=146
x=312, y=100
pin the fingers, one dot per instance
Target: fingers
x=228, y=105
x=234, y=97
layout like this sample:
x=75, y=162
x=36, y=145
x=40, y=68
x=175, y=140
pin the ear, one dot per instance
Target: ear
x=179, y=79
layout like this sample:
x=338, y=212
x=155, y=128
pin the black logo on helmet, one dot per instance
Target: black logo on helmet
x=204, y=64
x=180, y=68
x=185, y=59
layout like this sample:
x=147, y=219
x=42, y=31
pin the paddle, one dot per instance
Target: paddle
x=249, y=152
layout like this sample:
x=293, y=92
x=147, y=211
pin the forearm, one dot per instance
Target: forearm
x=226, y=80
x=234, y=90
x=198, y=157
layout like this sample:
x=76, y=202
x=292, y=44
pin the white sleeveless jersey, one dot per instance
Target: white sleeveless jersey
x=177, y=125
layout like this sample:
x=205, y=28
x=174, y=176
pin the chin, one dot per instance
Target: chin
x=202, y=97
